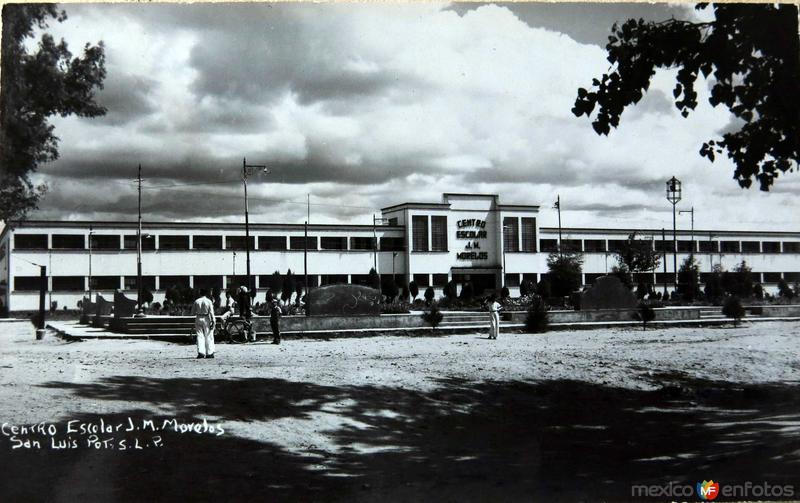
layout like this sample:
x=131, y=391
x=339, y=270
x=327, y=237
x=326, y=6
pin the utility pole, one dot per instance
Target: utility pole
x=673, y=196
x=558, y=207
x=305, y=266
x=139, y=310
x=245, y=168
x=681, y=212
x=90, y=263
x=42, y=291
x=664, y=240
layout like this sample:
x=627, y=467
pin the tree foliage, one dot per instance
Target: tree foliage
x=637, y=255
x=689, y=279
x=37, y=84
x=564, y=272
x=749, y=56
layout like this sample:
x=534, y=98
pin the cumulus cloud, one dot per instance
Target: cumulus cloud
x=368, y=105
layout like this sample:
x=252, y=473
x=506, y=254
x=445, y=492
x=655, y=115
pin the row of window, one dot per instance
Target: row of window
x=204, y=242
x=436, y=240
x=683, y=246
x=420, y=241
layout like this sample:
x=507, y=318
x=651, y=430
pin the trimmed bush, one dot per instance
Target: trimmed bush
x=537, y=319
x=413, y=290
x=429, y=295
x=732, y=308
x=434, y=316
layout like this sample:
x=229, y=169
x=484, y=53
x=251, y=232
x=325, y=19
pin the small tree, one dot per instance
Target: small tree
x=732, y=308
x=505, y=293
x=526, y=288
x=429, y=295
x=276, y=283
x=434, y=316
x=689, y=279
x=450, y=290
x=147, y=296
x=564, y=272
x=414, y=290
x=714, y=289
x=739, y=282
x=645, y=314
x=537, y=320
x=467, y=291
x=784, y=290
x=404, y=292
x=624, y=275
x=758, y=291
x=389, y=288
x=288, y=286
x=642, y=290
x=543, y=289
x=298, y=291
x=633, y=256
x=374, y=280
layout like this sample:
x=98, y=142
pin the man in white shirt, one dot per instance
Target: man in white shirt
x=494, y=317
x=203, y=311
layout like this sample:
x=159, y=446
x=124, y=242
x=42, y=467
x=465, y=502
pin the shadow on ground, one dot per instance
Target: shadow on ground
x=464, y=441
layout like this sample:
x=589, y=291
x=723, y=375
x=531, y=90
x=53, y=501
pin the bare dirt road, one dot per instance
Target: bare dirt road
x=564, y=416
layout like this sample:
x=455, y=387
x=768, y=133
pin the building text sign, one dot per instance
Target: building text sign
x=472, y=229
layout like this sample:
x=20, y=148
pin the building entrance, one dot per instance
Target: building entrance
x=483, y=283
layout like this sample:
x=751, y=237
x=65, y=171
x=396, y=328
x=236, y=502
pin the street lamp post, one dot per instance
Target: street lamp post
x=375, y=222
x=248, y=169
x=91, y=232
x=673, y=196
x=139, y=310
x=691, y=211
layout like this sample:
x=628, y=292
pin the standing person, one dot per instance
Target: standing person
x=494, y=317
x=275, y=321
x=244, y=310
x=203, y=311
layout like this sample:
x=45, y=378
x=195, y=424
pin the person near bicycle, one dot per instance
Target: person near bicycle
x=203, y=311
x=230, y=307
x=244, y=309
x=275, y=321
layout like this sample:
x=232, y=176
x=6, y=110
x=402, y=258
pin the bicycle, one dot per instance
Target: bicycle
x=233, y=330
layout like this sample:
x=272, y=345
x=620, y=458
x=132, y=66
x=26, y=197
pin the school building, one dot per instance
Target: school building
x=464, y=237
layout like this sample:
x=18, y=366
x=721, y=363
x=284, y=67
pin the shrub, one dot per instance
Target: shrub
x=504, y=293
x=784, y=290
x=758, y=291
x=564, y=272
x=404, y=292
x=543, y=289
x=645, y=314
x=288, y=286
x=732, y=308
x=429, y=295
x=714, y=290
x=413, y=289
x=389, y=288
x=537, y=320
x=434, y=316
x=450, y=290
x=396, y=308
x=374, y=279
x=298, y=290
x=526, y=288
x=689, y=279
x=467, y=291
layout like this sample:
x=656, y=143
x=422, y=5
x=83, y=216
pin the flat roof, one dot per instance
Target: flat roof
x=698, y=233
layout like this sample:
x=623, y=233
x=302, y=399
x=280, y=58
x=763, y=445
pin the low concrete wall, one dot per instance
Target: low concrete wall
x=777, y=311
x=662, y=314
x=307, y=323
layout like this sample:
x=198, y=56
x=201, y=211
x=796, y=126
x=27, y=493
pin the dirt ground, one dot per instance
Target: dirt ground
x=563, y=416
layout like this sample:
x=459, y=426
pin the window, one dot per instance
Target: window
x=791, y=247
x=313, y=280
x=705, y=277
x=104, y=283
x=148, y=242
x=529, y=234
x=708, y=246
x=393, y=221
x=772, y=277
x=68, y=283
x=511, y=234
x=359, y=279
x=173, y=242
x=207, y=282
x=333, y=243
x=529, y=276
x=594, y=245
x=392, y=244
x=30, y=241
x=686, y=246
x=298, y=242
x=729, y=246
x=439, y=233
x=148, y=283
x=591, y=278
x=750, y=247
x=665, y=277
x=643, y=277
x=548, y=245
x=271, y=242
x=423, y=280
x=512, y=280
x=362, y=243
x=167, y=282
x=232, y=282
x=27, y=283
x=105, y=242
x=69, y=242
x=616, y=245
x=334, y=279
x=419, y=233
x=239, y=242
x=440, y=280
x=571, y=245
x=207, y=242
x=791, y=276
x=771, y=246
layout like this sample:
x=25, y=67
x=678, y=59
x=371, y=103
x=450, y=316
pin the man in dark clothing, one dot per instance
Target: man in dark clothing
x=244, y=309
x=275, y=321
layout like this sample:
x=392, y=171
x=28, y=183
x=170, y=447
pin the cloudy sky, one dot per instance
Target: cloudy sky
x=365, y=106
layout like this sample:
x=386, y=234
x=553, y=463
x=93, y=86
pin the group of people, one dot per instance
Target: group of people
x=205, y=320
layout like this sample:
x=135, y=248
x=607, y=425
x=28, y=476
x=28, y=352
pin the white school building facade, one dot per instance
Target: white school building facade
x=464, y=237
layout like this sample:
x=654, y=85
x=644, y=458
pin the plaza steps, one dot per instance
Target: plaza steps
x=464, y=319
x=156, y=325
x=716, y=313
